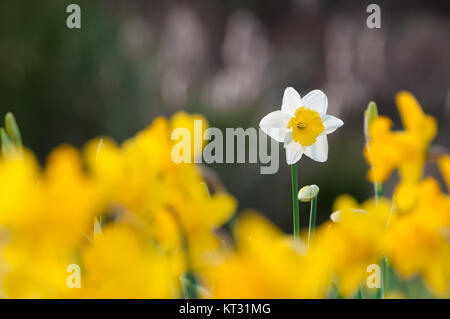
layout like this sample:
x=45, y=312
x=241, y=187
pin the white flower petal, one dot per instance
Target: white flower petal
x=275, y=124
x=336, y=216
x=330, y=123
x=317, y=101
x=319, y=150
x=291, y=101
x=288, y=138
x=294, y=152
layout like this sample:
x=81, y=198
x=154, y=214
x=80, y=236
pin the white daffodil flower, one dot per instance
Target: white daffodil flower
x=302, y=125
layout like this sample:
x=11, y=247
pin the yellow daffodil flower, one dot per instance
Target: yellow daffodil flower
x=120, y=264
x=352, y=242
x=417, y=242
x=266, y=264
x=444, y=167
x=387, y=150
x=169, y=199
x=45, y=235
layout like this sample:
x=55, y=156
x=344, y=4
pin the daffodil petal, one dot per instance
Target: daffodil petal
x=294, y=152
x=275, y=124
x=330, y=123
x=287, y=138
x=319, y=150
x=291, y=101
x=316, y=100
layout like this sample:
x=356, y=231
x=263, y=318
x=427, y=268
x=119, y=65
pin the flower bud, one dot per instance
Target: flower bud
x=8, y=149
x=308, y=193
x=12, y=129
x=370, y=114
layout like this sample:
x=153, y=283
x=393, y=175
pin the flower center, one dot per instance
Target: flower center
x=306, y=125
x=301, y=125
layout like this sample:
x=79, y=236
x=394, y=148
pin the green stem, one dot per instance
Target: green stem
x=384, y=279
x=378, y=188
x=312, y=220
x=188, y=281
x=295, y=202
x=360, y=293
x=190, y=286
x=333, y=291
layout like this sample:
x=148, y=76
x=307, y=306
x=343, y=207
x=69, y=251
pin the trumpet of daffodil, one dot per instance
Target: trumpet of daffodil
x=387, y=150
x=302, y=125
x=265, y=264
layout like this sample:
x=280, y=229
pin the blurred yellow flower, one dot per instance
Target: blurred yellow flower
x=353, y=242
x=266, y=264
x=171, y=200
x=387, y=150
x=19, y=181
x=196, y=124
x=444, y=166
x=418, y=243
x=44, y=236
x=119, y=264
x=160, y=224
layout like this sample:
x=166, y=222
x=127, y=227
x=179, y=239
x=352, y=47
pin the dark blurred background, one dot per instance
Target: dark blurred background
x=230, y=60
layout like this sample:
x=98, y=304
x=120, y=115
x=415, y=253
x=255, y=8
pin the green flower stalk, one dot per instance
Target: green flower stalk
x=309, y=194
x=370, y=114
x=295, y=208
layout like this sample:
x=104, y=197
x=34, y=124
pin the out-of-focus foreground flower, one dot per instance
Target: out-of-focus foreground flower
x=158, y=218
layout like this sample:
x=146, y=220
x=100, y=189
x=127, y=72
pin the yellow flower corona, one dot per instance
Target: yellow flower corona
x=306, y=126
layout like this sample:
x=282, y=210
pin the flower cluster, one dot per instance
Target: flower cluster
x=405, y=237
x=137, y=225
x=131, y=219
